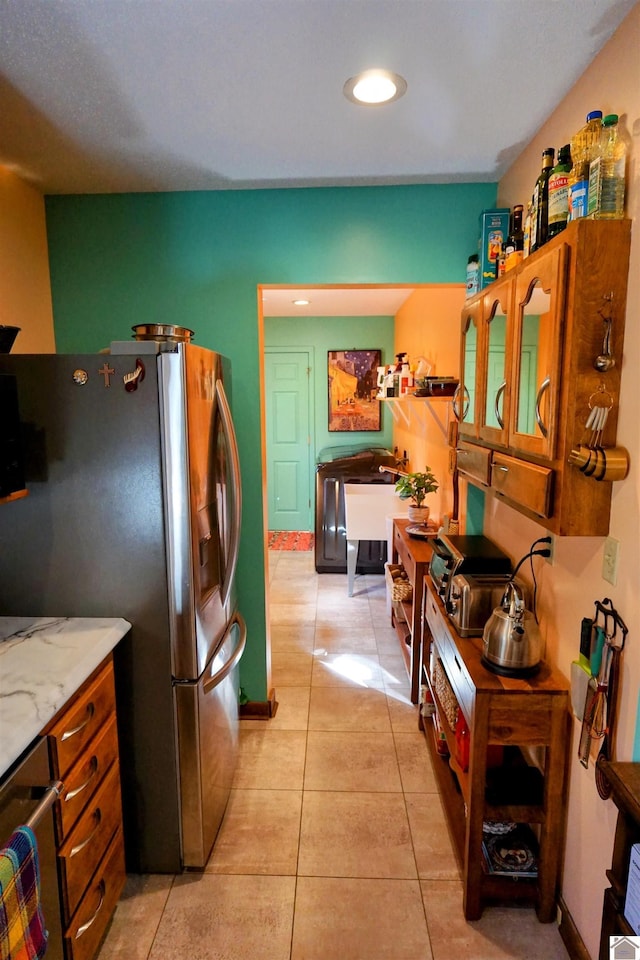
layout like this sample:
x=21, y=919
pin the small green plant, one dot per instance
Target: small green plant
x=416, y=486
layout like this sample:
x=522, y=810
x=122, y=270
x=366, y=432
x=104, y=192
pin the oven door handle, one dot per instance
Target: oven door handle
x=51, y=794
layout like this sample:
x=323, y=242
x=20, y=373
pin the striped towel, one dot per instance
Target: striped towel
x=22, y=931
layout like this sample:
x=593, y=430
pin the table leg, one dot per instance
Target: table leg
x=352, y=560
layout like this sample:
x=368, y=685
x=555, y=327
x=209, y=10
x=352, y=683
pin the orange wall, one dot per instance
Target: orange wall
x=428, y=325
x=25, y=291
x=569, y=588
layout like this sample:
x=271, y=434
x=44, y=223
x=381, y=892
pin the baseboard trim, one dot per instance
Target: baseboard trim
x=259, y=709
x=570, y=934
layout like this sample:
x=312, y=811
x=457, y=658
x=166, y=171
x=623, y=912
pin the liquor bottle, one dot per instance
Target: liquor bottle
x=514, y=244
x=539, y=202
x=607, y=173
x=559, y=192
x=581, y=147
x=526, y=247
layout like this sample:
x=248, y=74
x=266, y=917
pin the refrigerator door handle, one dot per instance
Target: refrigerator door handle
x=225, y=670
x=232, y=447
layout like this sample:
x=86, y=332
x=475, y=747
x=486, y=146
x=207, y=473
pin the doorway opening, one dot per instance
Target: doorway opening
x=299, y=327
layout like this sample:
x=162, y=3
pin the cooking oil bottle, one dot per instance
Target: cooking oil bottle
x=607, y=173
x=582, y=145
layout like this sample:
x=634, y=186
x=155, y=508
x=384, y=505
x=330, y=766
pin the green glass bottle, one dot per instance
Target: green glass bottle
x=559, y=193
x=540, y=201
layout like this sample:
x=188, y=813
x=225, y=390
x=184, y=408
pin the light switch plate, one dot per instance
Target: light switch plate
x=610, y=560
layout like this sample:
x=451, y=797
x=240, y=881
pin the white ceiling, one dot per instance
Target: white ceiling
x=365, y=301
x=140, y=95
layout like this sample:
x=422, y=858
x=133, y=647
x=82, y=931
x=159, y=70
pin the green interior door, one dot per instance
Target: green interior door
x=288, y=440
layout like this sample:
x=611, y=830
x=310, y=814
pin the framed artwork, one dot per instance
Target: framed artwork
x=352, y=386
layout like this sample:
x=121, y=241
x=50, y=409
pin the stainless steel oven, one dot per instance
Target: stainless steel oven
x=27, y=795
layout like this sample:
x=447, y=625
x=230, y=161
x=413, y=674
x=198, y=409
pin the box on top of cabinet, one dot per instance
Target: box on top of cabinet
x=494, y=228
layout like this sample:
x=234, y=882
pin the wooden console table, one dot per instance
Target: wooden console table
x=415, y=555
x=624, y=779
x=516, y=715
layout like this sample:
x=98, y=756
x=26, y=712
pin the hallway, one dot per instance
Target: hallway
x=334, y=845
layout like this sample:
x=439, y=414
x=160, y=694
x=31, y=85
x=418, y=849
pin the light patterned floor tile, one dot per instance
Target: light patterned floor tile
x=355, y=835
x=140, y=908
x=348, y=708
x=431, y=841
x=270, y=759
x=502, y=933
x=259, y=834
x=344, y=919
x=351, y=761
x=414, y=760
x=346, y=669
x=211, y=917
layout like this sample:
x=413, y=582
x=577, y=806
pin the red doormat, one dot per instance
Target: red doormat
x=290, y=540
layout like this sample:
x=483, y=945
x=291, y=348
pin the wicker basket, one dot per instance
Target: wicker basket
x=445, y=694
x=398, y=583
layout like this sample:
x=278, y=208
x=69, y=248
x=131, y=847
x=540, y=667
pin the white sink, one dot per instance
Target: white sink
x=368, y=508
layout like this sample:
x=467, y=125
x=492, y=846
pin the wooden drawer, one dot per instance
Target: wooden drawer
x=474, y=462
x=524, y=483
x=432, y=614
x=70, y=733
x=84, y=933
x=84, y=778
x=84, y=848
x=404, y=556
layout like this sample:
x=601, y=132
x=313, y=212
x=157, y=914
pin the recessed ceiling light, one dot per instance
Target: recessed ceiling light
x=375, y=86
x=301, y=303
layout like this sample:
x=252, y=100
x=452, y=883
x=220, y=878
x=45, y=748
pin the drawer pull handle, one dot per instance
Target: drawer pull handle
x=97, y=816
x=457, y=663
x=94, y=769
x=71, y=733
x=503, y=468
x=85, y=926
x=544, y=386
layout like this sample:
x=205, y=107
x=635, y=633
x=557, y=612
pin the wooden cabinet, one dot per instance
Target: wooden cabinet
x=466, y=399
x=414, y=555
x=83, y=747
x=529, y=342
x=510, y=722
x=493, y=360
x=624, y=781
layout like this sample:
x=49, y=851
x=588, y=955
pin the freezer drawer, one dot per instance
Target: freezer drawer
x=207, y=719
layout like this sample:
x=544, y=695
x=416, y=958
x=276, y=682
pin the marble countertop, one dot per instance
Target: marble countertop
x=43, y=661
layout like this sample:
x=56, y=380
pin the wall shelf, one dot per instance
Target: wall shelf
x=403, y=409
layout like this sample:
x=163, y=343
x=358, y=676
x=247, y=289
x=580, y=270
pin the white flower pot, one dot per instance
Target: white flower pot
x=418, y=514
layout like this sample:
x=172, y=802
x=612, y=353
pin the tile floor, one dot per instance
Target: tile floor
x=334, y=845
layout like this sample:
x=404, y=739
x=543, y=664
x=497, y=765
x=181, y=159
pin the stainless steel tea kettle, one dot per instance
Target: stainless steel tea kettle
x=511, y=641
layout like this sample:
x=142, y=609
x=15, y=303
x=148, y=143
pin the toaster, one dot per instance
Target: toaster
x=472, y=598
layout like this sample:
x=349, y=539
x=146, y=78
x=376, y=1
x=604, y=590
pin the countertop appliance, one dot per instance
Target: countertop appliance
x=27, y=796
x=134, y=511
x=336, y=466
x=464, y=554
x=511, y=640
x=472, y=599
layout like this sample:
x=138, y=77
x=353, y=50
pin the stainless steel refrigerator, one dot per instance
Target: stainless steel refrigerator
x=133, y=510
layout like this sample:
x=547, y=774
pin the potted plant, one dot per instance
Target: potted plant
x=415, y=487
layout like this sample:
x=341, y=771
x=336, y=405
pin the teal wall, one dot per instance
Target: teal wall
x=335, y=333
x=196, y=259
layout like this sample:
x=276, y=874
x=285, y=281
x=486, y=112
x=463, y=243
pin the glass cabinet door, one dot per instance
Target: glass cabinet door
x=498, y=327
x=465, y=402
x=535, y=374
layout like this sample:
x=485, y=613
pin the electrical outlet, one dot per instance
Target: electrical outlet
x=551, y=547
x=610, y=560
